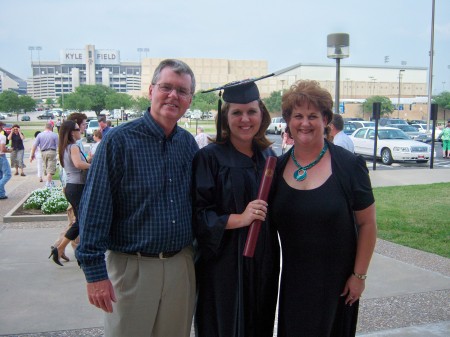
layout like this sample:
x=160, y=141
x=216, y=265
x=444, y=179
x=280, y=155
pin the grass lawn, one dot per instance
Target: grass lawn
x=416, y=216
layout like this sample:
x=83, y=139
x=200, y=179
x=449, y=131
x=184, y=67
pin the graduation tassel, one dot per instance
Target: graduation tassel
x=219, y=119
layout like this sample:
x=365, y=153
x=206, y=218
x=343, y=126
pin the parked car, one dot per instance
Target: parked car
x=349, y=128
x=417, y=121
x=92, y=126
x=46, y=115
x=25, y=118
x=362, y=124
x=2, y=116
x=7, y=128
x=348, y=119
x=421, y=127
x=277, y=126
x=392, y=145
x=392, y=122
x=412, y=132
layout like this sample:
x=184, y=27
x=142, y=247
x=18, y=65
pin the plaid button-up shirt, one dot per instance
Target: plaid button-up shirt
x=137, y=195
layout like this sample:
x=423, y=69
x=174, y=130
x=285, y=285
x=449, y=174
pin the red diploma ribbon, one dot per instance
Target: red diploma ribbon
x=263, y=193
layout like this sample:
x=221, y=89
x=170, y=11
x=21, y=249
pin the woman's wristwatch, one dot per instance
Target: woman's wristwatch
x=360, y=276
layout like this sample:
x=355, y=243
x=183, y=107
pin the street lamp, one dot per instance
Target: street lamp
x=31, y=48
x=338, y=48
x=400, y=73
x=38, y=49
x=140, y=50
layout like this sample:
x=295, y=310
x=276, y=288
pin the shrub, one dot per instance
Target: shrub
x=49, y=200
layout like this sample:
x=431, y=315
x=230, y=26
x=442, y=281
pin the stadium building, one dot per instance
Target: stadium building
x=10, y=81
x=403, y=84
x=76, y=67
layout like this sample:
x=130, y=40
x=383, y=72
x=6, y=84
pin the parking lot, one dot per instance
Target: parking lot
x=438, y=161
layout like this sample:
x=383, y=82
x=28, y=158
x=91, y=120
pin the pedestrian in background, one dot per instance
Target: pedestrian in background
x=75, y=165
x=81, y=119
x=5, y=169
x=18, y=150
x=38, y=155
x=137, y=206
x=97, y=135
x=58, y=124
x=338, y=135
x=47, y=141
x=446, y=141
x=104, y=127
x=201, y=138
x=286, y=142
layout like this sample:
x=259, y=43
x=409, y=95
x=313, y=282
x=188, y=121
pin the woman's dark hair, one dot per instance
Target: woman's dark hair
x=36, y=133
x=65, y=138
x=260, y=138
x=307, y=92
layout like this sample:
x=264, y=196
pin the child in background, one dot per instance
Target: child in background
x=97, y=138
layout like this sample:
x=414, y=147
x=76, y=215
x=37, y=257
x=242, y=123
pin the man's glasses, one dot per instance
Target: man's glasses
x=166, y=88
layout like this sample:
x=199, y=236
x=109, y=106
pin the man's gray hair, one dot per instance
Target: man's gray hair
x=178, y=67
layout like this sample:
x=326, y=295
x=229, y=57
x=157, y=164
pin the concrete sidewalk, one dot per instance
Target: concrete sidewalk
x=407, y=291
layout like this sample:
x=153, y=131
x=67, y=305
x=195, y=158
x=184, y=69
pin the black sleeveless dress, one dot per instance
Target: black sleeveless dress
x=318, y=240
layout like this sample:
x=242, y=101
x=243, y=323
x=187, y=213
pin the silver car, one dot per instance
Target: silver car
x=412, y=132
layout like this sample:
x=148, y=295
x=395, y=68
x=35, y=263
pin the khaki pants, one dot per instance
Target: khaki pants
x=155, y=297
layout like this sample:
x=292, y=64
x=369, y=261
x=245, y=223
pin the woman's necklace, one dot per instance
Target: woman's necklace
x=301, y=174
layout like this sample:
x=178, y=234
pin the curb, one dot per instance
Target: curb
x=10, y=217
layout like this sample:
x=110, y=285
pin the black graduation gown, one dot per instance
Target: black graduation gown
x=237, y=296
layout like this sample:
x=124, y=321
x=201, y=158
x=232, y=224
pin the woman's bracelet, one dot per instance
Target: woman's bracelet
x=360, y=276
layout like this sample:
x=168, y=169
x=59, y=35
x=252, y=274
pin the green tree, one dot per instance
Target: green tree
x=75, y=101
x=27, y=103
x=141, y=103
x=88, y=97
x=117, y=101
x=205, y=102
x=386, y=105
x=442, y=100
x=273, y=102
x=9, y=101
x=49, y=102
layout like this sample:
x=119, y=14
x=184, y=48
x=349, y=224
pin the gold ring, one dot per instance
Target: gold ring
x=256, y=212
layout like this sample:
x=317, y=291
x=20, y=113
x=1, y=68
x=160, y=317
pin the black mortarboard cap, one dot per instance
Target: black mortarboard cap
x=239, y=92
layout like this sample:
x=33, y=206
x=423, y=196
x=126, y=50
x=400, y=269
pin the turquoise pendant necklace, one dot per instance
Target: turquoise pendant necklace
x=301, y=174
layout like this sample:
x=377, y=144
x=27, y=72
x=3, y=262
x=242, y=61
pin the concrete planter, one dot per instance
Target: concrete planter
x=12, y=215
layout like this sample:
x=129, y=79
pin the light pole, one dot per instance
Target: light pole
x=347, y=80
x=39, y=48
x=372, y=88
x=337, y=48
x=31, y=48
x=140, y=50
x=400, y=73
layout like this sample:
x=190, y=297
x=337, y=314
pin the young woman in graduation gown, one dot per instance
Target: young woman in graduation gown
x=237, y=295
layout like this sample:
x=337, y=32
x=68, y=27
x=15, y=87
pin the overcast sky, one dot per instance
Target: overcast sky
x=283, y=32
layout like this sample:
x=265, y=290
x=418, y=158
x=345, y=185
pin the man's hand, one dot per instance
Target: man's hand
x=101, y=294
